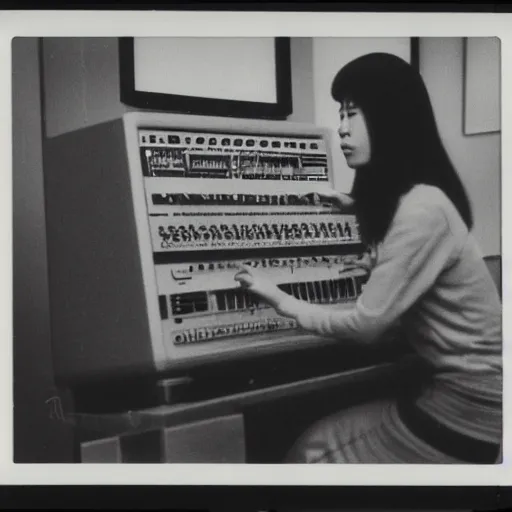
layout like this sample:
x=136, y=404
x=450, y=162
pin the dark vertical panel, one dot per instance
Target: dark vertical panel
x=40, y=435
x=415, y=52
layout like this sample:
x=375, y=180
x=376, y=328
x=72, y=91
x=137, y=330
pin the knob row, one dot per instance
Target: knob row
x=237, y=199
x=202, y=334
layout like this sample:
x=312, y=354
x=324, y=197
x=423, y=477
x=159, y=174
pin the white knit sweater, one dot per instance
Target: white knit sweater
x=430, y=273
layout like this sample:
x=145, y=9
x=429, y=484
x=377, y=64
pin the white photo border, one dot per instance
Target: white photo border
x=239, y=24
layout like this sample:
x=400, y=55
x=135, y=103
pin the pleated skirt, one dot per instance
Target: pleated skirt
x=371, y=433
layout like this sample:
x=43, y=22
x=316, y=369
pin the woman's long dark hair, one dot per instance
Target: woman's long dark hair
x=406, y=148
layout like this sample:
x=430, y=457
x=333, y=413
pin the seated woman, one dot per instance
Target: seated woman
x=412, y=208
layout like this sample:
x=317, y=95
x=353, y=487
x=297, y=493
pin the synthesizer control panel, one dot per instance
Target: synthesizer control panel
x=227, y=156
x=213, y=201
x=149, y=218
x=205, y=305
x=285, y=220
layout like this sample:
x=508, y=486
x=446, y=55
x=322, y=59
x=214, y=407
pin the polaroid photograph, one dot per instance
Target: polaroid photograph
x=256, y=251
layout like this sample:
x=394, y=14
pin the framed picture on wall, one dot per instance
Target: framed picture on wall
x=233, y=77
x=482, y=105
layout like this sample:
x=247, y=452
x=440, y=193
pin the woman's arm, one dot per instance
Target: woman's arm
x=416, y=249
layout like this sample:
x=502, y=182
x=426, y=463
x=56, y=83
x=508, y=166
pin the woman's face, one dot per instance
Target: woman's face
x=354, y=136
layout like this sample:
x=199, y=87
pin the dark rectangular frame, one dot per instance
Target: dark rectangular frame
x=129, y=95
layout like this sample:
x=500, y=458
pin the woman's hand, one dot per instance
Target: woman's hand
x=330, y=195
x=256, y=282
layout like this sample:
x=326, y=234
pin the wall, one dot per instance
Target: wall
x=81, y=82
x=38, y=437
x=302, y=80
x=330, y=54
x=477, y=157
